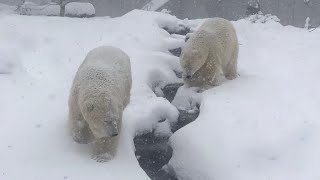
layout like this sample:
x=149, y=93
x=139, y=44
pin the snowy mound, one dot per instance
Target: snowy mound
x=265, y=123
x=36, y=142
x=260, y=18
x=262, y=125
x=79, y=9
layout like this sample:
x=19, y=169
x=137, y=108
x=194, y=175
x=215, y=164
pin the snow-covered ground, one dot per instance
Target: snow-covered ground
x=262, y=125
x=265, y=124
x=39, y=57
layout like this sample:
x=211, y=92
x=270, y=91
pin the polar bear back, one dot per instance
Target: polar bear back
x=223, y=35
x=105, y=70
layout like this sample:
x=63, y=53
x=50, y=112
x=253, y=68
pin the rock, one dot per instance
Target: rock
x=175, y=52
x=153, y=152
x=180, y=29
x=170, y=90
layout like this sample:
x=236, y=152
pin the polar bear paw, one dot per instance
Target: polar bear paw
x=102, y=157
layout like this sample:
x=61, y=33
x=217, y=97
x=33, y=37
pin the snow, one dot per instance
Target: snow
x=265, y=123
x=262, y=125
x=36, y=143
x=187, y=98
x=79, y=9
x=260, y=18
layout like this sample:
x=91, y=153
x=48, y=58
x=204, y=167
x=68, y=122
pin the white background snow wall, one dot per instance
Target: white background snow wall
x=291, y=12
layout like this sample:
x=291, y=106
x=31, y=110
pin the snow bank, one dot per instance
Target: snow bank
x=79, y=9
x=265, y=123
x=36, y=142
x=187, y=99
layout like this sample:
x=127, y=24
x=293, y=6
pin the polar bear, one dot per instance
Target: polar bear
x=98, y=96
x=210, y=53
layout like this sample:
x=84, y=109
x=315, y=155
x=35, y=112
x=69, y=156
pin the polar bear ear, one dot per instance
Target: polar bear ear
x=89, y=107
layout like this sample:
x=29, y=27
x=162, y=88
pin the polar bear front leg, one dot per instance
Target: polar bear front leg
x=105, y=149
x=217, y=77
x=80, y=130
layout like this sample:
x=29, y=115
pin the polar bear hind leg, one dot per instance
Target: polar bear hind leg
x=230, y=71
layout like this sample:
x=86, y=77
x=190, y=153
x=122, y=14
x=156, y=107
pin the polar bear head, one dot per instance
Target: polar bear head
x=192, y=59
x=103, y=116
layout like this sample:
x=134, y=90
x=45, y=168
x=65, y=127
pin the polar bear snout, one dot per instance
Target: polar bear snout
x=112, y=128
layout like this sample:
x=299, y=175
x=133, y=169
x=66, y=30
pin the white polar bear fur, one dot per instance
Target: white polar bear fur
x=98, y=96
x=210, y=53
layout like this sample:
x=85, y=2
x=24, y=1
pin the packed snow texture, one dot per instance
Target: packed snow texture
x=262, y=125
x=80, y=9
x=265, y=123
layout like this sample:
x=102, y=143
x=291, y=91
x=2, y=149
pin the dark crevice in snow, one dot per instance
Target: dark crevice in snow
x=180, y=29
x=176, y=51
x=154, y=152
x=178, y=74
x=170, y=90
x=184, y=119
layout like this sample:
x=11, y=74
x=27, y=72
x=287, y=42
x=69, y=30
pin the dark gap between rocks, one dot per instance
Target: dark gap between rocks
x=154, y=152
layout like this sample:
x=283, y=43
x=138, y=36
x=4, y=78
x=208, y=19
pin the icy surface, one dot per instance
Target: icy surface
x=265, y=123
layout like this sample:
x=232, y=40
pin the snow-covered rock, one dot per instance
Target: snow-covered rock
x=261, y=18
x=79, y=9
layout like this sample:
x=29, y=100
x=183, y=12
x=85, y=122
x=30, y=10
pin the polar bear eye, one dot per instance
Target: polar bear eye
x=90, y=107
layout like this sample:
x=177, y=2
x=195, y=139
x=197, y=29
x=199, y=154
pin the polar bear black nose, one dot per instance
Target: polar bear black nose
x=188, y=76
x=114, y=134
